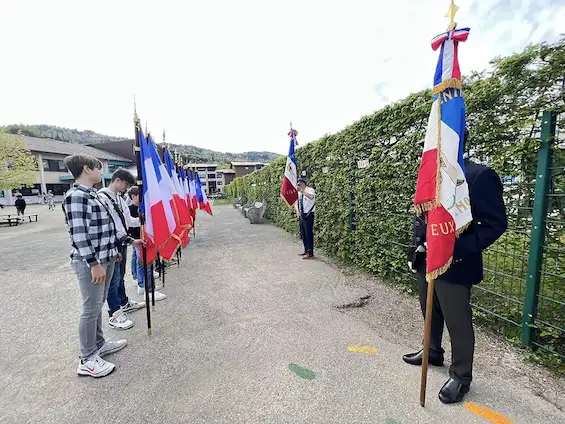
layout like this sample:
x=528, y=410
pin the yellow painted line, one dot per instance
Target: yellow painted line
x=488, y=414
x=363, y=349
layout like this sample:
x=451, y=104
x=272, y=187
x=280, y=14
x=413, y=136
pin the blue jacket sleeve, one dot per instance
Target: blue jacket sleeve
x=489, y=215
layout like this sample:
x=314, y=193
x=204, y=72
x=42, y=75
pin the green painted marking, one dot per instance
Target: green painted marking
x=302, y=372
x=389, y=421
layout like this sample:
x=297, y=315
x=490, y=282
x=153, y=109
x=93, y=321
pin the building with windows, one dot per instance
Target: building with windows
x=244, y=168
x=226, y=176
x=211, y=181
x=53, y=174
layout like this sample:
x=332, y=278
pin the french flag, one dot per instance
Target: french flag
x=203, y=202
x=442, y=193
x=184, y=198
x=160, y=224
x=179, y=197
x=192, y=186
x=289, y=193
x=166, y=188
x=186, y=186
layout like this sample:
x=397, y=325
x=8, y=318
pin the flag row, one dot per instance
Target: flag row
x=171, y=195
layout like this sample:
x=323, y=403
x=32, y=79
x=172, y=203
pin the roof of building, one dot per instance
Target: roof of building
x=202, y=165
x=46, y=145
x=247, y=163
x=123, y=148
x=226, y=171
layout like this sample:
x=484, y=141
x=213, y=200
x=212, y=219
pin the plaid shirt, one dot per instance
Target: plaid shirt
x=91, y=229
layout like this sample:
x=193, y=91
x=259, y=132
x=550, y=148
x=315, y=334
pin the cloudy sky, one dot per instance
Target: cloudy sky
x=229, y=75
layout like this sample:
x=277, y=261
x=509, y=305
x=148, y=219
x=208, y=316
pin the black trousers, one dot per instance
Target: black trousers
x=307, y=232
x=452, y=305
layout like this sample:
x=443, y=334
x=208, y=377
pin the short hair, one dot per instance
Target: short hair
x=133, y=191
x=301, y=180
x=76, y=163
x=124, y=175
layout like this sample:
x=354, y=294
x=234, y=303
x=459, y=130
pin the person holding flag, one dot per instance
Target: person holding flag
x=460, y=213
x=305, y=208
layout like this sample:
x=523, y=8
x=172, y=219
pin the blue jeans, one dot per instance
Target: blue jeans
x=139, y=269
x=307, y=232
x=117, y=293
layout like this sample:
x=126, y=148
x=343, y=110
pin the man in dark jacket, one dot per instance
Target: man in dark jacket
x=20, y=204
x=453, y=288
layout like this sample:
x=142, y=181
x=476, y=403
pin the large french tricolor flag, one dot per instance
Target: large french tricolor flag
x=442, y=192
x=155, y=203
x=203, y=202
x=289, y=193
x=166, y=188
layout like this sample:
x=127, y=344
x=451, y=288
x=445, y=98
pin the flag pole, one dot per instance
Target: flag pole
x=297, y=196
x=427, y=336
x=137, y=151
x=431, y=282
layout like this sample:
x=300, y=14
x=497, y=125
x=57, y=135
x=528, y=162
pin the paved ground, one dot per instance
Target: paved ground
x=241, y=308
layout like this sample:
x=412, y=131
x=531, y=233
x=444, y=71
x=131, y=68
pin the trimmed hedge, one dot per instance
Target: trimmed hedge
x=363, y=215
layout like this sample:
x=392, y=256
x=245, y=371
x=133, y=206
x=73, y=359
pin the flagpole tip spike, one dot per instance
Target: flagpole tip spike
x=453, y=8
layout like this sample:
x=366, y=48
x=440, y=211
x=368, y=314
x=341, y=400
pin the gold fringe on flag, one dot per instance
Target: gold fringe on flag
x=437, y=272
x=450, y=83
x=425, y=207
x=462, y=229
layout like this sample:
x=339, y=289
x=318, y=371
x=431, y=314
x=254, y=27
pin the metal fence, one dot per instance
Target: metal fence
x=523, y=293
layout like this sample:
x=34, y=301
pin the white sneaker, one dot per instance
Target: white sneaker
x=112, y=346
x=132, y=305
x=120, y=320
x=158, y=294
x=95, y=367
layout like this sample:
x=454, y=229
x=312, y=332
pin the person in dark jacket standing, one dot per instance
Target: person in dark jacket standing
x=453, y=288
x=20, y=204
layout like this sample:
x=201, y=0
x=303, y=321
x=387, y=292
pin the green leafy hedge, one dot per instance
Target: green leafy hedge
x=363, y=215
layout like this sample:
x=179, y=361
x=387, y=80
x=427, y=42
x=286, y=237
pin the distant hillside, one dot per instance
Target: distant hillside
x=196, y=154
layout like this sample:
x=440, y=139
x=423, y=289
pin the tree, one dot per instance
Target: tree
x=18, y=167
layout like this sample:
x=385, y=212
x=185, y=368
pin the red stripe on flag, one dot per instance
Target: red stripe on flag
x=427, y=183
x=288, y=192
x=440, y=236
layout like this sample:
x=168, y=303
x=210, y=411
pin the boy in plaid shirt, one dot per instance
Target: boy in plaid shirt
x=93, y=239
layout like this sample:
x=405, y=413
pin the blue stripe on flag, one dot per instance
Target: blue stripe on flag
x=453, y=115
x=439, y=67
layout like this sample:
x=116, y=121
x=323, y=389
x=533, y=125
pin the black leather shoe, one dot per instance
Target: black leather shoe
x=416, y=358
x=453, y=391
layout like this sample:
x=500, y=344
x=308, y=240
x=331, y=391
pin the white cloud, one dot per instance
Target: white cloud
x=230, y=75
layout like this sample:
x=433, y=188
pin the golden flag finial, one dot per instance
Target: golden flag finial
x=135, y=117
x=451, y=15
